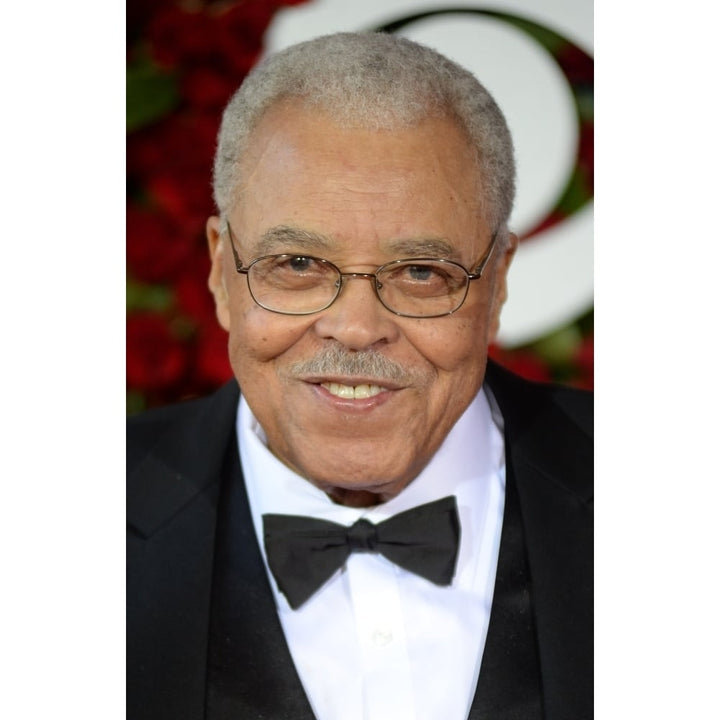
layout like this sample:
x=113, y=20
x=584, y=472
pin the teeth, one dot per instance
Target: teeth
x=350, y=392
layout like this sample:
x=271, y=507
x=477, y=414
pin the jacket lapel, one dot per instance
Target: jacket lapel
x=509, y=684
x=204, y=638
x=251, y=674
x=549, y=449
x=172, y=502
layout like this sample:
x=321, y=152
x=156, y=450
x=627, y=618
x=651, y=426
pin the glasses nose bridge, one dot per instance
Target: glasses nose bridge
x=367, y=276
x=357, y=276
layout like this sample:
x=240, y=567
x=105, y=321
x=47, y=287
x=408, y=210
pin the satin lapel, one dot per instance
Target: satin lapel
x=550, y=451
x=251, y=674
x=172, y=500
x=509, y=683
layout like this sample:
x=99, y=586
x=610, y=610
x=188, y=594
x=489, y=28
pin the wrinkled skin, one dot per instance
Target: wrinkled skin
x=372, y=196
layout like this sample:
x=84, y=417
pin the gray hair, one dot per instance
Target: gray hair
x=372, y=81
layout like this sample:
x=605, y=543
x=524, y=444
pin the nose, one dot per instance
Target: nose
x=357, y=318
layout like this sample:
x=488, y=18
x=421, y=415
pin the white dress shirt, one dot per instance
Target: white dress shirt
x=377, y=642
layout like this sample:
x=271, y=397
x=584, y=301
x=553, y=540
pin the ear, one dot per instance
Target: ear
x=500, y=292
x=216, y=279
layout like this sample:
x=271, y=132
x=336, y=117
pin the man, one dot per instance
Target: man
x=359, y=264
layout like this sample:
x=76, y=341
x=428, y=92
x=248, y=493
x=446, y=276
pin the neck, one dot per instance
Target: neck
x=356, y=498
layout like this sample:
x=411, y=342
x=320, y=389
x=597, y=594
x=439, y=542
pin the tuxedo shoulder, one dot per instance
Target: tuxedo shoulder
x=144, y=430
x=548, y=431
x=577, y=404
x=174, y=455
x=149, y=424
x=184, y=420
x=526, y=398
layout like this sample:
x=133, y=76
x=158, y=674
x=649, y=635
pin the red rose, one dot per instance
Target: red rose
x=185, y=197
x=145, y=148
x=179, y=36
x=156, y=247
x=155, y=358
x=586, y=155
x=578, y=66
x=212, y=363
x=229, y=40
x=191, y=290
x=240, y=32
x=173, y=168
x=208, y=89
x=210, y=49
x=553, y=218
x=522, y=363
x=584, y=362
x=138, y=13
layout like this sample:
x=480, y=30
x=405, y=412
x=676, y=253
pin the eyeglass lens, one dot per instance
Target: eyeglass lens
x=302, y=285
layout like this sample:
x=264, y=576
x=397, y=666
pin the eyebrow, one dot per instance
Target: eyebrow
x=285, y=237
x=423, y=247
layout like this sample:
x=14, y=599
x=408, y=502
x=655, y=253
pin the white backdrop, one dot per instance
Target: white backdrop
x=551, y=280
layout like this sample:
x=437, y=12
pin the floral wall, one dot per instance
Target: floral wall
x=184, y=60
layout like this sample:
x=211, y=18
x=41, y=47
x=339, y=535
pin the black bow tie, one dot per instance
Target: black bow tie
x=304, y=552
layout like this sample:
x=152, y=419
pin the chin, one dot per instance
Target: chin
x=347, y=476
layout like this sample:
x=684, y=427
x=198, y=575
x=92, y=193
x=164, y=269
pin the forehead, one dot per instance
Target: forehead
x=307, y=179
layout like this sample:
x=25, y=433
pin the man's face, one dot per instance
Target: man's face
x=366, y=197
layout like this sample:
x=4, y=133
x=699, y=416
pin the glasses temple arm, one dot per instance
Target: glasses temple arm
x=238, y=262
x=484, y=261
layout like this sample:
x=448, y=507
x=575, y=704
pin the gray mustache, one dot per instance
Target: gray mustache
x=366, y=363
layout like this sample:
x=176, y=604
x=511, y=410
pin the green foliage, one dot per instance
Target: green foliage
x=575, y=195
x=585, y=103
x=135, y=402
x=151, y=94
x=548, y=38
x=559, y=347
x=139, y=296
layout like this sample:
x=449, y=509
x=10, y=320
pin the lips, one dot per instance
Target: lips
x=352, y=392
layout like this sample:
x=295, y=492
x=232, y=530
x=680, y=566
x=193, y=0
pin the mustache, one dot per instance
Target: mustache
x=365, y=363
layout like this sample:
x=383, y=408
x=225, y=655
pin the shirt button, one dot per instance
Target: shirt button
x=382, y=637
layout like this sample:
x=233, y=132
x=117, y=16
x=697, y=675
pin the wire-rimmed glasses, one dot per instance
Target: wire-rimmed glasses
x=299, y=284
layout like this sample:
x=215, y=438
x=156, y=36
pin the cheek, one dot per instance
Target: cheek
x=259, y=336
x=454, y=345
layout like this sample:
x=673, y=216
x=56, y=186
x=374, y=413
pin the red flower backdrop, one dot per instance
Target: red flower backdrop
x=185, y=58
x=184, y=61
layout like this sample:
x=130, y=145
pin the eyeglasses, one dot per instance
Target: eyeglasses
x=297, y=284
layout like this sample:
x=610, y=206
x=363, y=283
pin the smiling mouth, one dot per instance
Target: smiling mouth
x=352, y=392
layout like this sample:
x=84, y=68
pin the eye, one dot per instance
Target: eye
x=296, y=265
x=293, y=272
x=421, y=273
x=425, y=279
x=299, y=263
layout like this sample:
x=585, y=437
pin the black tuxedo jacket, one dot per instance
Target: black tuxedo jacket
x=177, y=457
